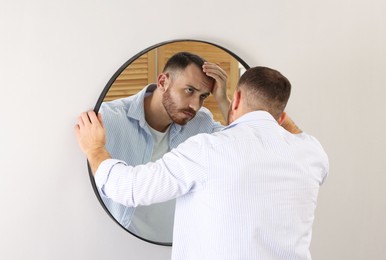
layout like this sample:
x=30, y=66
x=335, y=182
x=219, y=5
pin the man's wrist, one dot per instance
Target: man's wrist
x=95, y=152
x=96, y=157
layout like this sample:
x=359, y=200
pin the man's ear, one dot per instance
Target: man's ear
x=282, y=117
x=236, y=99
x=162, y=81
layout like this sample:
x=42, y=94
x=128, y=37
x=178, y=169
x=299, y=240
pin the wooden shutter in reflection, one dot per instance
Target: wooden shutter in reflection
x=134, y=78
x=211, y=54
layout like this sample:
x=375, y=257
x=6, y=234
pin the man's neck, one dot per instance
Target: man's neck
x=155, y=113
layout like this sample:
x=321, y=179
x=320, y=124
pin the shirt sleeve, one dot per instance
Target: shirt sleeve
x=323, y=161
x=178, y=172
x=216, y=126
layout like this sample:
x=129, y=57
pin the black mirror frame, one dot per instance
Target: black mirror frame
x=107, y=88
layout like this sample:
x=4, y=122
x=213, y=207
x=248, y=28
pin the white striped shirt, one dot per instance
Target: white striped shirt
x=248, y=192
x=128, y=138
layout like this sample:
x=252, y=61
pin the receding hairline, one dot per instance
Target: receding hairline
x=175, y=73
x=181, y=60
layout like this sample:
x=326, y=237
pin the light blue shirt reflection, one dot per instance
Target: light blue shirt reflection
x=129, y=139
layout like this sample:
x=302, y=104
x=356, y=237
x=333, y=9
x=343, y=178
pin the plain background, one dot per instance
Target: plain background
x=57, y=56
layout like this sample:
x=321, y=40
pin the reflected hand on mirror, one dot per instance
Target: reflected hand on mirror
x=219, y=87
x=91, y=136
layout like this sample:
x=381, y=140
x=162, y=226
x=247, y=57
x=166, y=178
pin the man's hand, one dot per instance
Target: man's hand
x=91, y=136
x=290, y=125
x=219, y=87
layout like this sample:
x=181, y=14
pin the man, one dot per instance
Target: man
x=246, y=192
x=155, y=120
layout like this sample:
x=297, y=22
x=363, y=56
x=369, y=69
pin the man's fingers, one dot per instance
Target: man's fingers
x=215, y=69
x=216, y=75
x=100, y=119
x=88, y=118
x=76, y=129
x=84, y=119
x=213, y=75
x=93, y=118
x=80, y=122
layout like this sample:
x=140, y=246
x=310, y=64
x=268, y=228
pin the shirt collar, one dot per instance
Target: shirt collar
x=252, y=117
x=136, y=110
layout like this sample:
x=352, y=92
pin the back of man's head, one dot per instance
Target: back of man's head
x=265, y=89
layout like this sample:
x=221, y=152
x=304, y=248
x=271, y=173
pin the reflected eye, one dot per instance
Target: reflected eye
x=189, y=90
x=204, y=96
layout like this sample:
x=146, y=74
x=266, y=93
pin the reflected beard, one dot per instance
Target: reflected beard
x=179, y=116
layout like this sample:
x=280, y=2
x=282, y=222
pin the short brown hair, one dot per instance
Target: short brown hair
x=266, y=89
x=181, y=60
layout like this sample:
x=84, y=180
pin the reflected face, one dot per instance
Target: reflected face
x=185, y=93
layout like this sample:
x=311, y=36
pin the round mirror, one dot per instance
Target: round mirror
x=127, y=131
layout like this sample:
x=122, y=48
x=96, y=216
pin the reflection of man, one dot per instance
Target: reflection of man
x=246, y=192
x=143, y=127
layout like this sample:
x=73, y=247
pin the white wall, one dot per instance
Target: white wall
x=57, y=56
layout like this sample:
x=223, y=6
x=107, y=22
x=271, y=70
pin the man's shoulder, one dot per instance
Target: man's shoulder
x=203, y=122
x=203, y=119
x=117, y=106
x=204, y=114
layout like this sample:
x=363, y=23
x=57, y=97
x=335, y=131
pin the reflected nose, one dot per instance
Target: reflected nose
x=195, y=104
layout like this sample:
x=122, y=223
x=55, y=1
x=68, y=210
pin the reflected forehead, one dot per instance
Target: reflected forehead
x=202, y=90
x=197, y=79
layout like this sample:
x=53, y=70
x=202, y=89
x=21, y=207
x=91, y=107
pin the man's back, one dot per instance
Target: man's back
x=258, y=196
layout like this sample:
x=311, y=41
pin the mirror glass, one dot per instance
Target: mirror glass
x=152, y=223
